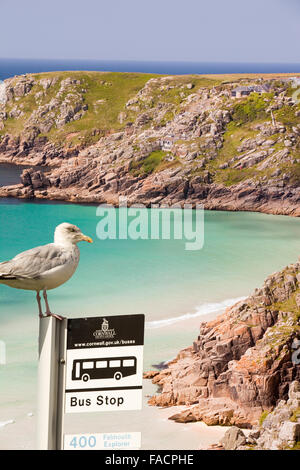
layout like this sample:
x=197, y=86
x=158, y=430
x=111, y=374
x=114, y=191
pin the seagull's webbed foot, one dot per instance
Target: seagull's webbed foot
x=58, y=317
x=48, y=311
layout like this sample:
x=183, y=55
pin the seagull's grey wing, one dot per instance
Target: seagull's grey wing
x=33, y=263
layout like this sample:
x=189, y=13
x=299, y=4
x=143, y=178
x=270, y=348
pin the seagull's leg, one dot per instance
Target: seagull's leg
x=38, y=298
x=48, y=311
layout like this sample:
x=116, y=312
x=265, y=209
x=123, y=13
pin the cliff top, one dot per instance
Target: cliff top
x=230, y=141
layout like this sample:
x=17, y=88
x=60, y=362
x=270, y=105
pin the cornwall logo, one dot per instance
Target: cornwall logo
x=105, y=331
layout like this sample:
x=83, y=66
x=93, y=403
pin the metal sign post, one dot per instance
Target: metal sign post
x=52, y=340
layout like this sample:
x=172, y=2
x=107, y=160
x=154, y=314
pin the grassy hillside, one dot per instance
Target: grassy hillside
x=187, y=128
x=104, y=93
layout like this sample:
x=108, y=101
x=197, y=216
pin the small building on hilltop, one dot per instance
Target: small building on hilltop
x=241, y=91
x=167, y=143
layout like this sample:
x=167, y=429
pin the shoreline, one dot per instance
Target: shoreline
x=13, y=192
x=207, y=207
x=71, y=196
x=172, y=436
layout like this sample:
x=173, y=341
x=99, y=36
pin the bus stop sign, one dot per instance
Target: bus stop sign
x=104, y=363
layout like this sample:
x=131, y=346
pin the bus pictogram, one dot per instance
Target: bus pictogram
x=104, y=368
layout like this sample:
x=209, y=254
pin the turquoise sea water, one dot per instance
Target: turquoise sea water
x=173, y=287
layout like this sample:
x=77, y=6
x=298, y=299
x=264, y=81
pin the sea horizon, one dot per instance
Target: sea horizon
x=13, y=66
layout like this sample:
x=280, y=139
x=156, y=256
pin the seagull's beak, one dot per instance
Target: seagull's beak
x=86, y=239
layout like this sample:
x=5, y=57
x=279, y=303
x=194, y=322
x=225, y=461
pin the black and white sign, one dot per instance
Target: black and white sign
x=104, y=369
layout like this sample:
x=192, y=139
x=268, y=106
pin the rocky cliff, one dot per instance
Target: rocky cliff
x=154, y=139
x=242, y=363
x=278, y=430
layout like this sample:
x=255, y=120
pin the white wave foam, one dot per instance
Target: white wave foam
x=5, y=423
x=200, y=311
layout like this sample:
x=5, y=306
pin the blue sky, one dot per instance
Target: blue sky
x=191, y=30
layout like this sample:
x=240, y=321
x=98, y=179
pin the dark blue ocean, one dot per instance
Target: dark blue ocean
x=11, y=67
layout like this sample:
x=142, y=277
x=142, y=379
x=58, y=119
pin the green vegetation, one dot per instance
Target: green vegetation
x=169, y=115
x=156, y=161
x=294, y=172
x=233, y=138
x=252, y=109
x=289, y=306
x=172, y=91
x=295, y=416
x=280, y=335
x=247, y=114
x=287, y=117
x=263, y=417
x=152, y=161
x=232, y=176
x=105, y=95
x=296, y=446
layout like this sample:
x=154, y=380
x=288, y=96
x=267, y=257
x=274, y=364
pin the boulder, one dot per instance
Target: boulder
x=233, y=438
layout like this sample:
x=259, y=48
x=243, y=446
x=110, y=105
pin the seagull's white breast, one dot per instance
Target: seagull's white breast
x=58, y=275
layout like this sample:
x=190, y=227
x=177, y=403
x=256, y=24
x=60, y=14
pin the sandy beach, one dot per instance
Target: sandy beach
x=158, y=432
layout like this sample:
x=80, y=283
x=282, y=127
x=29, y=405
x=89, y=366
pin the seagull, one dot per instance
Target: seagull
x=45, y=267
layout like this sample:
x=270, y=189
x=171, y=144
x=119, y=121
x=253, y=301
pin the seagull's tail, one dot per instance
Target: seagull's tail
x=5, y=274
x=6, y=277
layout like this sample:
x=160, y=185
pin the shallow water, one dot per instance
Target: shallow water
x=173, y=287
x=10, y=174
